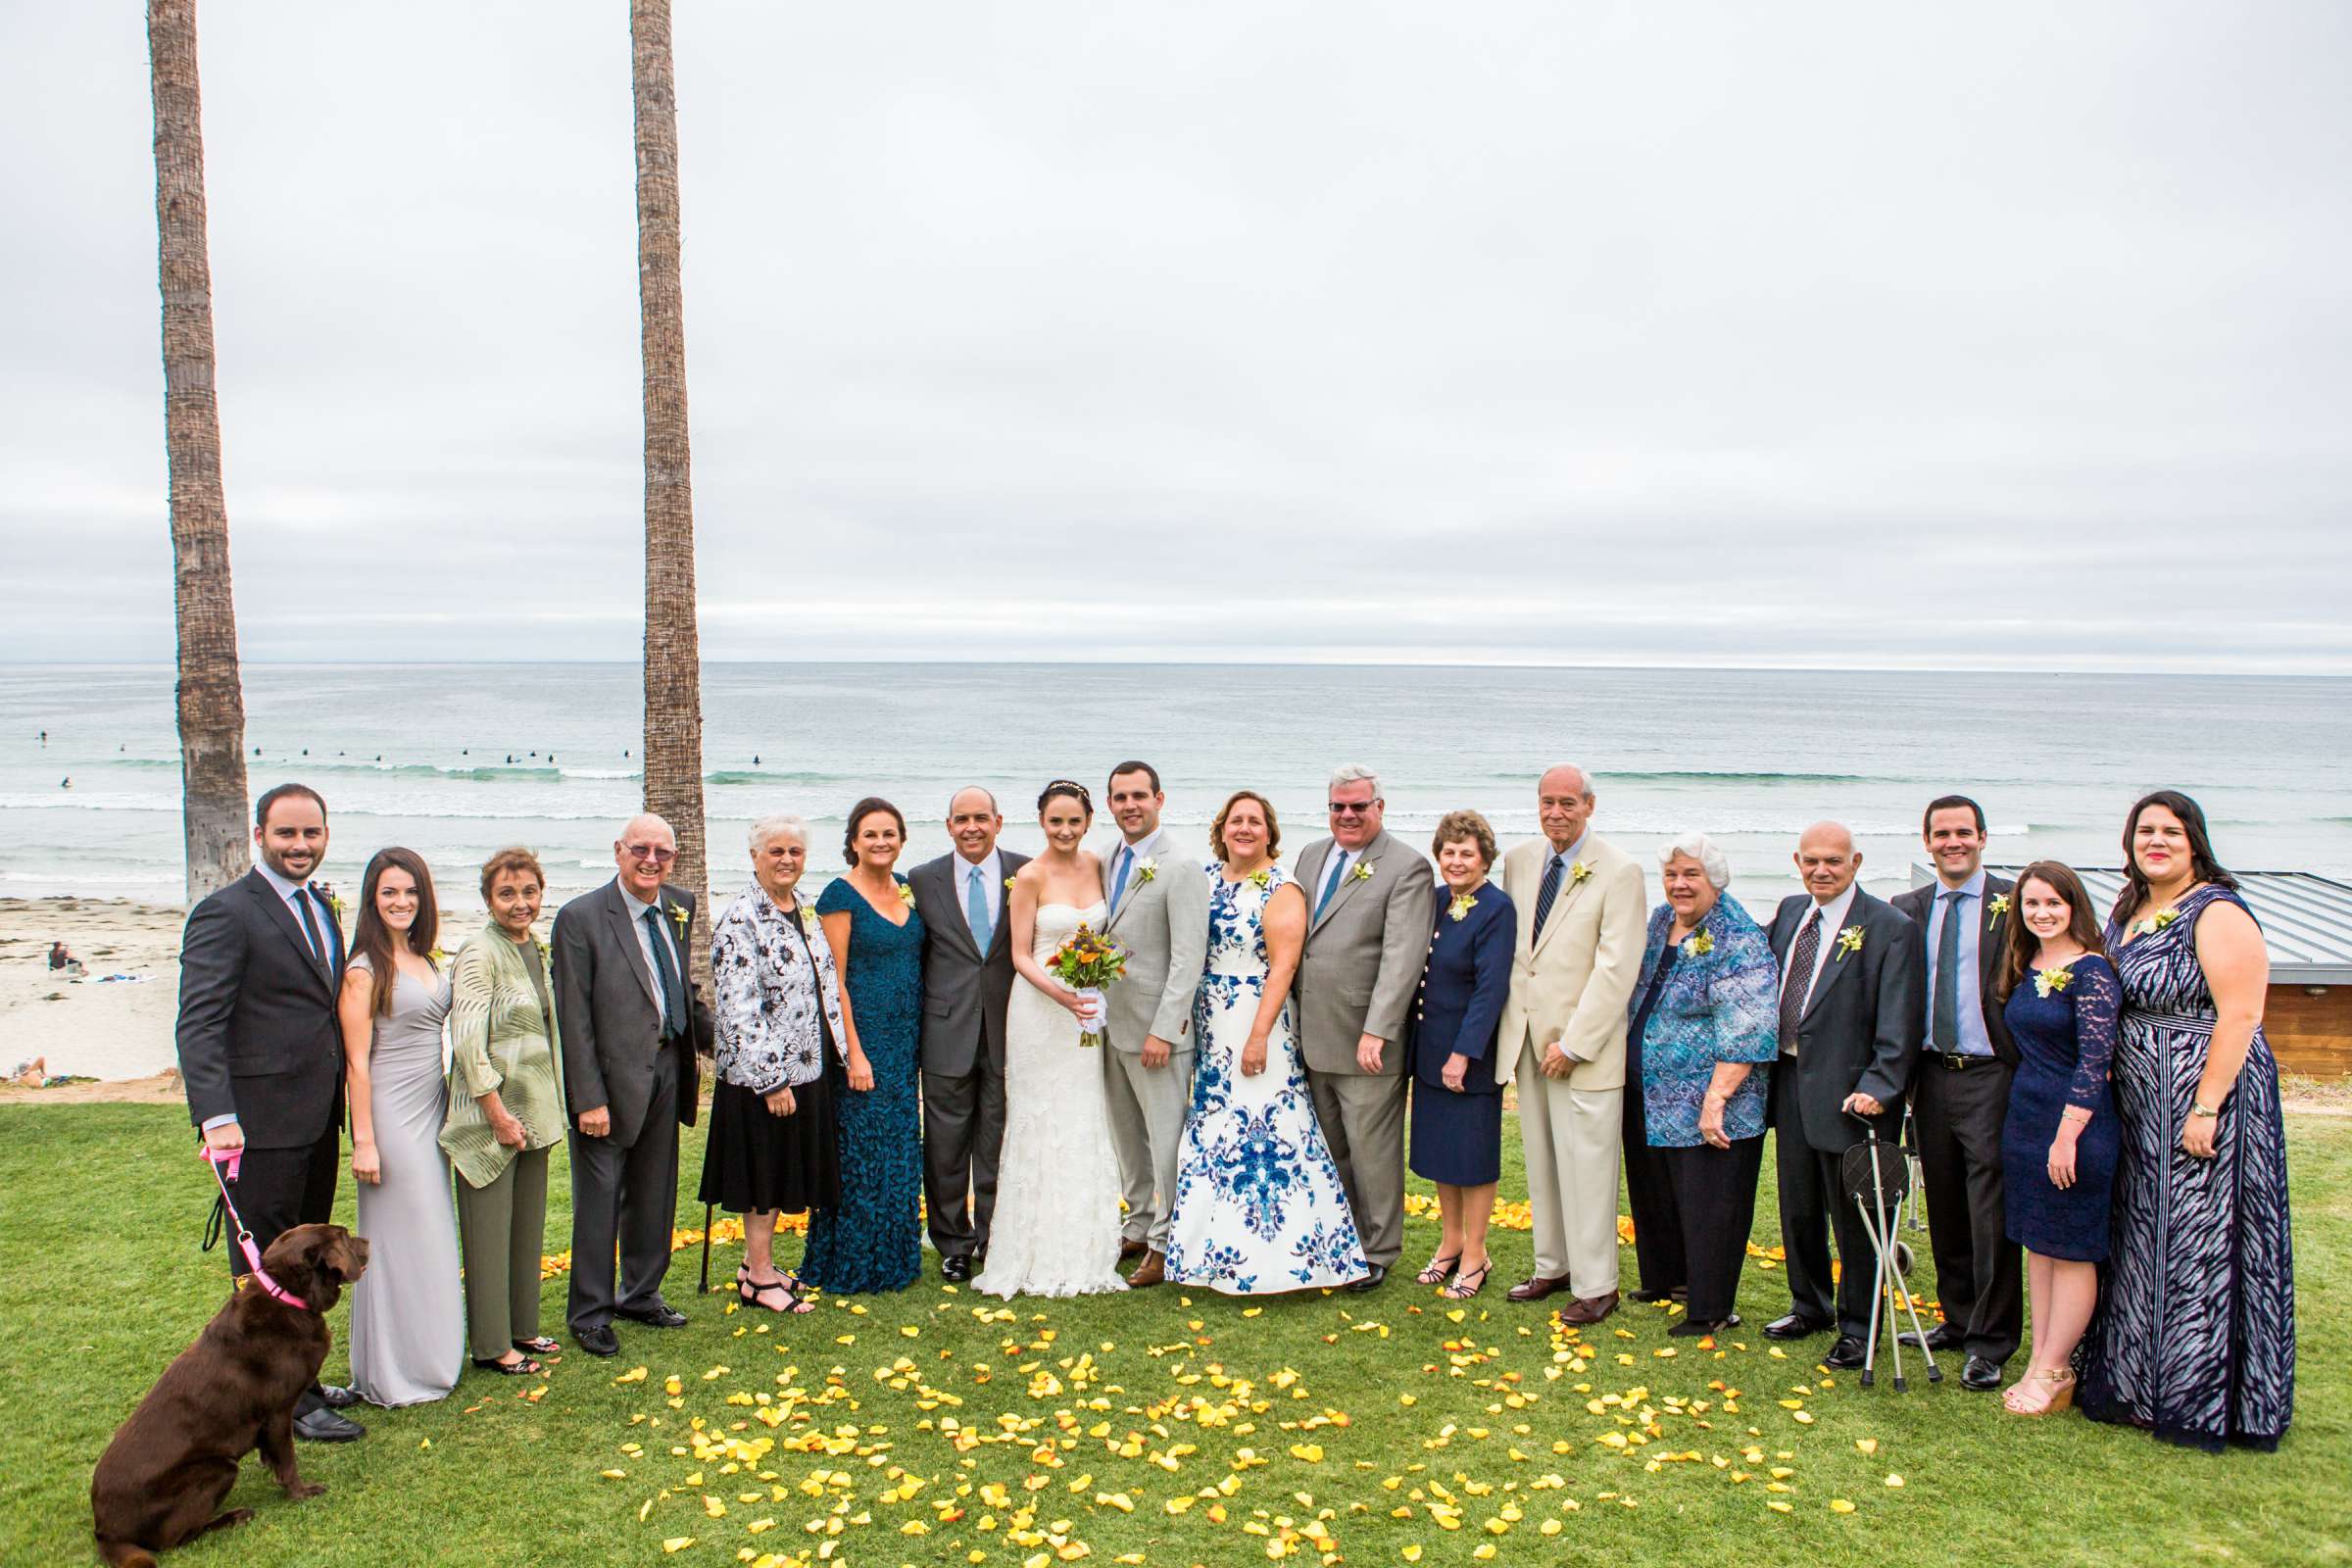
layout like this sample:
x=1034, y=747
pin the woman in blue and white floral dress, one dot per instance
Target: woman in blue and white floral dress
x=1258, y=1207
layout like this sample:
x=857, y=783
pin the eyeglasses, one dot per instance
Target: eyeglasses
x=649, y=852
x=1353, y=807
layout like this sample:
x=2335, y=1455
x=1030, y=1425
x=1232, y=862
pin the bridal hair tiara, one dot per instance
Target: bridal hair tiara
x=1070, y=787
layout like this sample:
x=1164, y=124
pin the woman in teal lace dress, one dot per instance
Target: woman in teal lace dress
x=874, y=1240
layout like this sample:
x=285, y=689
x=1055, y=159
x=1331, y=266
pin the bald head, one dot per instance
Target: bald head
x=1564, y=805
x=1827, y=860
x=644, y=852
x=973, y=822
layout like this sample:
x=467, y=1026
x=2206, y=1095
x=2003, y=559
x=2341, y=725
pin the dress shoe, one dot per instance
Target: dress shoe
x=597, y=1341
x=1375, y=1275
x=1847, y=1352
x=660, y=1315
x=325, y=1426
x=1942, y=1337
x=1132, y=1247
x=1534, y=1289
x=1647, y=1296
x=1153, y=1270
x=1586, y=1310
x=1695, y=1328
x=955, y=1269
x=1981, y=1374
x=335, y=1396
x=1794, y=1326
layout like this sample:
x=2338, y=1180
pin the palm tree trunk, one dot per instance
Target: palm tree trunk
x=212, y=700
x=674, y=693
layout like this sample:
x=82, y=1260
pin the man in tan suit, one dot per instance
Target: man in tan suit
x=1580, y=924
x=1369, y=903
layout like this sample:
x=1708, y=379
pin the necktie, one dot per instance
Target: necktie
x=665, y=975
x=975, y=912
x=1118, y=881
x=1331, y=883
x=1943, y=1013
x=1799, y=984
x=1550, y=890
x=310, y=924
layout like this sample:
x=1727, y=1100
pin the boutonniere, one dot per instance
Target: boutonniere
x=1698, y=944
x=1009, y=884
x=1849, y=940
x=1363, y=872
x=2155, y=922
x=811, y=927
x=2053, y=982
x=1146, y=868
x=2001, y=905
x=907, y=893
x=545, y=951
x=1578, y=873
x=678, y=917
x=1261, y=878
x=334, y=904
x=1461, y=905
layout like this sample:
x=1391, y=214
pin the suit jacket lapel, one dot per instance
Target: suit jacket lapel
x=321, y=967
x=957, y=874
x=625, y=929
x=1986, y=942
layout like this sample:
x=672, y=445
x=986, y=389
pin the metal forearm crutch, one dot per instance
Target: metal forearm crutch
x=1877, y=1185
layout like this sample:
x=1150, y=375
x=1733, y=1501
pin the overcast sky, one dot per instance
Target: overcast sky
x=1975, y=335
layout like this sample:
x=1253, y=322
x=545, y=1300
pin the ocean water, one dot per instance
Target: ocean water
x=455, y=761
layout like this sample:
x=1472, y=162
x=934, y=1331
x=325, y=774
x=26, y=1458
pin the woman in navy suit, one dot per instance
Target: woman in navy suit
x=1457, y=1103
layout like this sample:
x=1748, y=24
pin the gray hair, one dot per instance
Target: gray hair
x=1701, y=848
x=776, y=826
x=1341, y=777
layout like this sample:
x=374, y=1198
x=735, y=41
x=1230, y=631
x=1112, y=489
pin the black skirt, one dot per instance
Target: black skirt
x=758, y=1160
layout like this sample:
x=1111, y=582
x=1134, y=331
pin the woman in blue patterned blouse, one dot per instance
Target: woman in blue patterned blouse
x=774, y=1147
x=1705, y=1030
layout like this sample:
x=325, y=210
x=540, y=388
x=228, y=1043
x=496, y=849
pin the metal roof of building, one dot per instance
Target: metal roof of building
x=2306, y=919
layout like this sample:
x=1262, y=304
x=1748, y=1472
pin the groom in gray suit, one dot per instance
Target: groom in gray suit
x=968, y=979
x=1159, y=914
x=1368, y=901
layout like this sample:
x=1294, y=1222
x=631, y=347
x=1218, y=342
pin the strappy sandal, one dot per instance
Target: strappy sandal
x=1455, y=1290
x=745, y=1290
x=2061, y=1381
x=1439, y=1270
x=525, y=1369
x=542, y=1346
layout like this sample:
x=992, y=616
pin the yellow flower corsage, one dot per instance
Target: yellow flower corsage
x=1461, y=905
x=1849, y=940
x=1698, y=944
x=1261, y=878
x=1363, y=870
x=2001, y=905
x=907, y=893
x=1578, y=873
x=2053, y=982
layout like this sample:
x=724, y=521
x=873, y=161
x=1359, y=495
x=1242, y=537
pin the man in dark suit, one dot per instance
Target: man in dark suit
x=260, y=1053
x=967, y=978
x=1962, y=1094
x=631, y=1016
x=1850, y=986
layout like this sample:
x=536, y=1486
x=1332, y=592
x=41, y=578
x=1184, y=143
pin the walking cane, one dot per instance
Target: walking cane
x=705, y=1249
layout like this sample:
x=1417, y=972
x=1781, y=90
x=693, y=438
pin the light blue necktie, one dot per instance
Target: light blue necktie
x=975, y=912
x=1118, y=881
x=1331, y=883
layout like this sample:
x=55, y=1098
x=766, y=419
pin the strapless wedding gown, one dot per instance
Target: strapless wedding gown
x=1056, y=1230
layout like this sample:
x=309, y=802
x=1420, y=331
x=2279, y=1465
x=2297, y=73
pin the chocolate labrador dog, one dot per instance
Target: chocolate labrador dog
x=232, y=1391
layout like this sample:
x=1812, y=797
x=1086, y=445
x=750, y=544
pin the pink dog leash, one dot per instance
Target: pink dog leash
x=233, y=1157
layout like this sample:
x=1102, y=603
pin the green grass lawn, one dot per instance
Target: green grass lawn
x=1349, y=1414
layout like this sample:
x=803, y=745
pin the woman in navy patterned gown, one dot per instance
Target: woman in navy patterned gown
x=2195, y=1335
x=873, y=1239
x=2059, y=1140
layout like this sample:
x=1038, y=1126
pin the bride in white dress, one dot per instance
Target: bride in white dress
x=1056, y=1230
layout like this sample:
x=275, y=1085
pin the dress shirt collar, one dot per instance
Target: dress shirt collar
x=992, y=864
x=285, y=889
x=1569, y=856
x=1973, y=887
x=1834, y=912
x=1144, y=847
x=637, y=906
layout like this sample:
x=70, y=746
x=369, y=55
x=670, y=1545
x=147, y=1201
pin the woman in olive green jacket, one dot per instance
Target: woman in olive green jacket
x=506, y=1112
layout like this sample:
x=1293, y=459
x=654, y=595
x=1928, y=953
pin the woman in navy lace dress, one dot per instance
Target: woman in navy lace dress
x=871, y=1240
x=2195, y=1335
x=2059, y=1141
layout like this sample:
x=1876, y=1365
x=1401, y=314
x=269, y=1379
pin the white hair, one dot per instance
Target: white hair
x=1341, y=777
x=777, y=826
x=1701, y=848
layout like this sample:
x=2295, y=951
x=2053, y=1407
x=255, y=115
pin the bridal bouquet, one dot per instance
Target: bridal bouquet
x=1087, y=963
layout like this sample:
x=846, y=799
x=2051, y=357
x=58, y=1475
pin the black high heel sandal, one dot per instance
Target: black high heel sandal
x=1455, y=1290
x=1438, y=1270
x=745, y=1290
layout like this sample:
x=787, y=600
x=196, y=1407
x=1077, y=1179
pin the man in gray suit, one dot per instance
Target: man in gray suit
x=1367, y=941
x=967, y=978
x=1159, y=914
x=630, y=1018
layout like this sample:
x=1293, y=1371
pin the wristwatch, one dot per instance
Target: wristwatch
x=2198, y=1108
